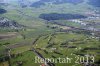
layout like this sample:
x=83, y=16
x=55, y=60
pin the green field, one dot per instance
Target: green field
x=67, y=44
x=80, y=41
x=50, y=39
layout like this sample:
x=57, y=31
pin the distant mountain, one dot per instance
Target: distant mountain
x=25, y=3
x=42, y=2
x=95, y=3
x=39, y=3
x=4, y=22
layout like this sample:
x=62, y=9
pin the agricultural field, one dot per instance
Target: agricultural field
x=65, y=31
x=55, y=45
x=67, y=44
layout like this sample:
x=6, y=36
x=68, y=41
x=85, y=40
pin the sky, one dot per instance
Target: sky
x=15, y=0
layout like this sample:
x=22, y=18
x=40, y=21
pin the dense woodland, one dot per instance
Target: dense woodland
x=56, y=16
x=2, y=11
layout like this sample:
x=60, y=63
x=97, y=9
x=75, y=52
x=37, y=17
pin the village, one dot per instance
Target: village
x=90, y=22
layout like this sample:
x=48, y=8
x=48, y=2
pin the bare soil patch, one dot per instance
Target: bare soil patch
x=8, y=35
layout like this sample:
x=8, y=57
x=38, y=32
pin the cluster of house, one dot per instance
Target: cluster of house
x=78, y=21
x=90, y=16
